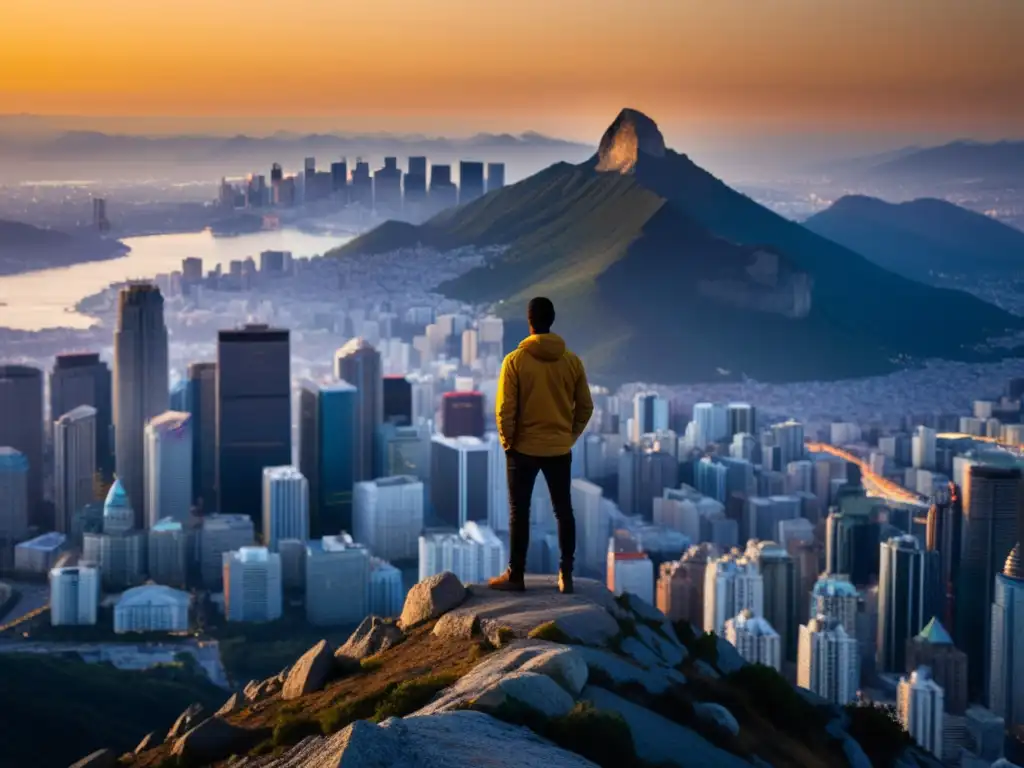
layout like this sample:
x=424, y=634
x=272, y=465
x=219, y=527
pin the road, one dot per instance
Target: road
x=874, y=484
x=34, y=600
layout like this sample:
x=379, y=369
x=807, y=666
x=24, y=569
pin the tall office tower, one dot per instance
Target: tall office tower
x=920, y=706
x=254, y=414
x=415, y=187
x=406, y=451
x=1006, y=662
x=168, y=455
x=923, y=448
x=932, y=647
x=789, y=438
x=202, y=404
x=731, y=583
x=443, y=192
x=459, y=480
x=285, y=506
x=276, y=174
x=74, y=596
x=387, y=187
x=992, y=507
x=630, y=569
x=397, y=394
x=491, y=337
x=82, y=379
x=943, y=535
x=471, y=181
x=141, y=389
x=328, y=423
x=99, y=215
x=495, y=176
x=740, y=419
x=179, y=396
x=337, y=581
x=168, y=553
x=462, y=414
x=681, y=584
x=755, y=639
x=827, y=661
x=677, y=514
x=851, y=541
x=779, y=575
x=339, y=177
x=386, y=596
x=650, y=414
x=908, y=588
x=21, y=427
x=592, y=528
x=836, y=598
x=474, y=554
x=14, y=517
x=358, y=363
x=74, y=463
x=309, y=167
x=711, y=479
x=712, y=421
x=221, y=534
x=388, y=516
x=252, y=585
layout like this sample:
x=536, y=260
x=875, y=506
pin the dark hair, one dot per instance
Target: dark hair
x=541, y=314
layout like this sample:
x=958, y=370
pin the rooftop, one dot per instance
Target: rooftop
x=170, y=421
x=11, y=458
x=285, y=472
x=80, y=412
x=352, y=346
x=153, y=593
x=166, y=524
x=934, y=633
x=1014, y=567
x=47, y=542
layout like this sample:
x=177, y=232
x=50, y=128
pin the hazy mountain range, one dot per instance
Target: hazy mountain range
x=663, y=273
x=922, y=238
x=962, y=161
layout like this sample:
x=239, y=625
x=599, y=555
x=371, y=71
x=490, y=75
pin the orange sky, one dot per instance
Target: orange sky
x=563, y=66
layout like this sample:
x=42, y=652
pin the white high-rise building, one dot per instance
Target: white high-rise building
x=337, y=581
x=922, y=448
x=74, y=463
x=474, y=554
x=497, y=477
x=387, y=516
x=221, y=534
x=285, y=505
x=252, y=585
x=168, y=467
x=732, y=583
x=712, y=421
x=1006, y=658
x=836, y=598
x=386, y=593
x=827, y=660
x=679, y=515
x=629, y=567
x=755, y=639
x=789, y=438
x=920, y=707
x=74, y=595
x=592, y=528
x=168, y=553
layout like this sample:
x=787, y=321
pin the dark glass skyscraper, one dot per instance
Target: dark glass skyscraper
x=462, y=414
x=495, y=176
x=21, y=428
x=471, y=181
x=397, y=401
x=358, y=363
x=140, y=383
x=253, y=415
x=908, y=592
x=327, y=441
x=81, y=378
x=202, y=404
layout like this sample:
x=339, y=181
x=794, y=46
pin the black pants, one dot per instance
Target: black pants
x=522, y=474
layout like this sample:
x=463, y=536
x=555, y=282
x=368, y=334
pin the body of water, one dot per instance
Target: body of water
x=46, y=299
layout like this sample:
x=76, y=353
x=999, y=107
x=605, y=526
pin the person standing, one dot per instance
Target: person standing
x=543, y=406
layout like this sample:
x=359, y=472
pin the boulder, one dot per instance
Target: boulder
x=235, y=703
x=497, y=633
x=706, y=669
x=729, y=659
x=457, y=626
x=672, y=653
x=283, y=674
x=660, y=741
x=565, y=666
x=431, y=598
x=190, y=718
x=372, y=636
x=526, y=689
x=717, y=715
x=310, y=673
x=212, y=740
x=616, y=670
x=449, y=738
x=641, y=608
x=640, y=653
x=101, y=758
x=252, y=690
x=149, y=741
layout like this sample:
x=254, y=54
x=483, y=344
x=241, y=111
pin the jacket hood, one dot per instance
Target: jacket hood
x=548, y=347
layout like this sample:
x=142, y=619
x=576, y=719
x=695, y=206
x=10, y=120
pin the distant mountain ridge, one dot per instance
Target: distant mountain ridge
x=923, y=237
x=25, y=248
x=956, y=162
x=663, y=273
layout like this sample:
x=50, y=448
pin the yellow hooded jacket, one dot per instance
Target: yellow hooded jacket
x=543, y=402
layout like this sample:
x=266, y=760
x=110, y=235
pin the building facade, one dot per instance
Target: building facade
x=388, y=517
x=74, y=596
x=285, y=506
x=337, y=581
x=74, y=463
x=252, y=585
x=168, y=457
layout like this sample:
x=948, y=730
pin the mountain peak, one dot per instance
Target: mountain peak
x=631, y=133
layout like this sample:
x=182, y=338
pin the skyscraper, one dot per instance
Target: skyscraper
x=359, y=364
x=681, y=584
x=932, y=647
x=778, y=572
x=991, y=504
x=141, y=387
x=495, y=176
x=731, y=584
x=74, y=463
x=82, y=379
x=285, y=506
x=650, y=414
x=337, y=581
x=415, y=186
x=327, y=453
x=397, y=393
x=443, y=192
x=254, y=414
x=252, y=585
x=462, y=414
x=920, y=707
x=388, y=516
x=1006, y=662
x=74, y=595
x=836, y=598
x=168, y=452
x=471, y=181
x=202, y=403
x=592, y=528
x=908, y=587
x=459, y=480
x=827, y=662
x=740, y=419
x=21, y=427
x=14, y=519
x=755, y=639
x=943, y=535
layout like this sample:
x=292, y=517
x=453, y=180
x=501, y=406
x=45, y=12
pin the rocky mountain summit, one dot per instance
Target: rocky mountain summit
x=471, y=677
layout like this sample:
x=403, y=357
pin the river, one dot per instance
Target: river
x=46, y=298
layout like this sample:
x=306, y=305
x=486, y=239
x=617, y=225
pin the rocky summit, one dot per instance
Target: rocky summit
x=471, y=677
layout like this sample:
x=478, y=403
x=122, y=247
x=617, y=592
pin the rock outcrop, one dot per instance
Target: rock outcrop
x=631, y=133
x=191, y=717
x=211, y=740
x=310, y=672
x=149, y=741
x=101, y=758
x=431, y=598
x=373, y=635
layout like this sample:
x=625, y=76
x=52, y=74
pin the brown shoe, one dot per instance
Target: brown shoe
x=565, y=583
x=508, y=582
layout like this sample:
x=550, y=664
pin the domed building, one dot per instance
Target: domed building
x=152, y=608
x=120, y=551
x=118, y=515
